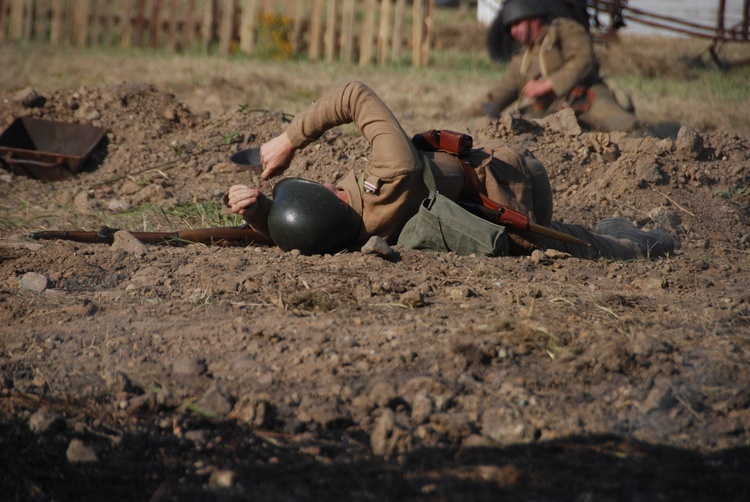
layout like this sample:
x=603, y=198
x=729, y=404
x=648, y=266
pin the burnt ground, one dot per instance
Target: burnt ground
x=146, y=372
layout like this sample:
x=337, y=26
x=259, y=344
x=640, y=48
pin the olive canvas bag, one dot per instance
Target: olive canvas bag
x=442, y=225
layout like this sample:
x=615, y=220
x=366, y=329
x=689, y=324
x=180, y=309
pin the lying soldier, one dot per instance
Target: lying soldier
x=318, y=219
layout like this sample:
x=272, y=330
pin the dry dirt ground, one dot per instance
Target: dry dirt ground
x=145, y=372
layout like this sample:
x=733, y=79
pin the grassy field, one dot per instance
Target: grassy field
x=672, y=80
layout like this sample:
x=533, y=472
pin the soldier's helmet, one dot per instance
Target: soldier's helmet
x=307, y=216
x=518, y=10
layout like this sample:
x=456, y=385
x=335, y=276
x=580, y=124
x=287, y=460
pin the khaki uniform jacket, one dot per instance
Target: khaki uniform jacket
x=391, y=188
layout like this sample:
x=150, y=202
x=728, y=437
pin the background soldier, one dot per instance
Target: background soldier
x=555, y=68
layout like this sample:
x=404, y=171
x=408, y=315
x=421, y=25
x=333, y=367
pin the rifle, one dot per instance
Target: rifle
x=503, y=215
x=221, y=236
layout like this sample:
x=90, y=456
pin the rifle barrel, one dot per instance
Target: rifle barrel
x=554, y=234
x=222, y=236
x=510, y=218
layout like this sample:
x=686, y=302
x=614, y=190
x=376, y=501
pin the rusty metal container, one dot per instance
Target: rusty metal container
x=47, y=149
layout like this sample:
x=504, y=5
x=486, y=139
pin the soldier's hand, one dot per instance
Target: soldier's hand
x=537, y=88
x=243, y=200
x=276, y=156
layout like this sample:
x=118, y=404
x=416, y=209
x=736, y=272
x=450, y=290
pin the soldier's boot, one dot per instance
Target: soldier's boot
x=651, y=244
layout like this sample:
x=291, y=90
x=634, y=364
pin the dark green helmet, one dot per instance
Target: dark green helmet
x=517, y=10
x=307, y=216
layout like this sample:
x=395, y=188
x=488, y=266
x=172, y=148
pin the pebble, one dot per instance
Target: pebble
x=29, y=98
x=118, y=206
x=84, y=203
x=563, y=121
x=377, y=246
x=649, y=171
x=422, y=408
x=412, y=298
x=31, y=281
x=389, y=436
x=222, y=478
x=345, y=342
x=88, y=112
x=44, y=420
x=125, y=241
x=215, y=402
x=383, y=393
x=665, y=218
x=502, y=425
x=117, y=381
x=256, y=412
x=537, y=256
x=330, y=414
x=189, y=366
x=80, y=452
x=688, y=140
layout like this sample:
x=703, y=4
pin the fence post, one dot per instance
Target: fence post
x=398, y=24
x=330, y=36
x=152, y=22
x=298, y=15
x=368, y=33
x=40, y=28
x=126, y=23
x=247, y=25
x=56, y=24
x=94, y=24
x=316, y=18
x=172, y=19
x=2, y=20
x=140, y=22
x=424, y=49
x=188, y=29
x=347, y=31
x=416, y=33
x=16, y=19
x=81, y=18
x=225, y=31
x=207, y=28
x=383, y=33
x=110, y=24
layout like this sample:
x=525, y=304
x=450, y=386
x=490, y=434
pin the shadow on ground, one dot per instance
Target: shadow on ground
x=224, y=461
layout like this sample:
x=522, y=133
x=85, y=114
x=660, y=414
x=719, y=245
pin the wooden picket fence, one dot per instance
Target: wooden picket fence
x=350, y=31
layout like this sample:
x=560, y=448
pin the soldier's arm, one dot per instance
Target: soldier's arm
x=354, y=102
x=578, y=53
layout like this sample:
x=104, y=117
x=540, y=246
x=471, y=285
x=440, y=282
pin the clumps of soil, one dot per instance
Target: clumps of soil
x=232, y=373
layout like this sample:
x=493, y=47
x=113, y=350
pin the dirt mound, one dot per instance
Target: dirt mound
x=231, y=373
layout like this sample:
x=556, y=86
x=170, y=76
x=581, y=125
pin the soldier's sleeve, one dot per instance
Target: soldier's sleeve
x=354, y=102
x=577, y=52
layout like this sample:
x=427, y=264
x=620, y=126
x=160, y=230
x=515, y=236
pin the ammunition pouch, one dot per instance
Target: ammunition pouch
x=579, y=99
x=443, y=140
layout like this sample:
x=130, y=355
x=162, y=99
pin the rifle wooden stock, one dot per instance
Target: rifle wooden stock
x=222, y=236
x=502, y=215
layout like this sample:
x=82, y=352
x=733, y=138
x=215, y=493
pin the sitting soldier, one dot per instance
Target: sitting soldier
x=555, y=68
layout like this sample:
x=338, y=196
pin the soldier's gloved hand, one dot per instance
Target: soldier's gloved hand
x=276, y=155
